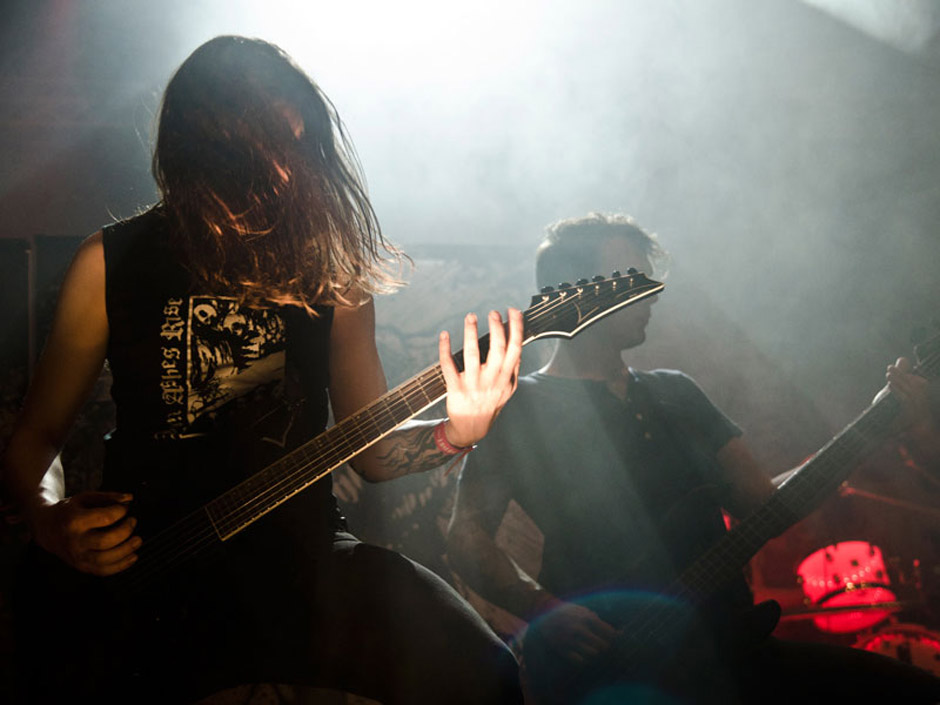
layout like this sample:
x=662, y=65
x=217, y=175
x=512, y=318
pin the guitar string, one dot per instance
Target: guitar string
x=347, y=442
x=167, y=542
x=163, y=545
x=708, y=574
x=867, y=430
x=658, y=618
x=383, y=416
x=208, y=534
x=211, y=534
x=295, y=456
x=423, y=383
x=296, y=472
x=806, y=486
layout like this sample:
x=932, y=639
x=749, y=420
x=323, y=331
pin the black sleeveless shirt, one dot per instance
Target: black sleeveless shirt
x=207, y=391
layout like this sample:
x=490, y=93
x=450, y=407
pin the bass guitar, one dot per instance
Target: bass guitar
x=648, y=632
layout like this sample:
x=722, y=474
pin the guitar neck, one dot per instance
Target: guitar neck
x=264, y=491
x=793, y=500
x=720, y=565
x=570, y=309
x=552, y=313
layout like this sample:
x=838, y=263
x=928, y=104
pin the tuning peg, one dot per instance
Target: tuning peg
x=564, y=285
x=546, y=290
x=598, y=278
x=616, y=274
x=582, y=282
x=632, y=271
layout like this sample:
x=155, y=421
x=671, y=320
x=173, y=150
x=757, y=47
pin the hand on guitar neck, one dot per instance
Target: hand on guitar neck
x=919, y=402
x=916, y=418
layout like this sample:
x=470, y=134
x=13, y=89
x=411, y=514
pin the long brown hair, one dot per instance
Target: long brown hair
x=262, y=185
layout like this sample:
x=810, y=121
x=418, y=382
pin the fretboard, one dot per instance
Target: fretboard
x=264, y=491
x=561, y=313
x=794, y=499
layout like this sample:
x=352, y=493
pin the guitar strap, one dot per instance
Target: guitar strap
x=701, y=473
x=660, y=398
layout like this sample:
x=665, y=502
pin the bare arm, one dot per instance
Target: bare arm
x=575, y=632
x=473, y=552
x=80, y=530
x=474, y=396
x=748, y=485
x=66, y=372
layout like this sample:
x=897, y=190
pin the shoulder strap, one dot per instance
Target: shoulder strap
x=661, y=393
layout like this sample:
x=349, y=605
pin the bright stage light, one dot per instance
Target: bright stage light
x=401, y=42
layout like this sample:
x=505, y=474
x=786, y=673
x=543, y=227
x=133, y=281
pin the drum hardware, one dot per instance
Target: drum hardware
x=848, y=490
x=810, y=611
x=909, y=643
x=919, y=572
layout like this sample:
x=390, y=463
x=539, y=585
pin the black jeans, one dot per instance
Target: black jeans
x=353, y=617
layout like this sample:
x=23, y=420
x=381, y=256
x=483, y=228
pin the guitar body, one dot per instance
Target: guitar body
x=163, y=622
x=97, y=638
x=676, y=644
x=171, y=638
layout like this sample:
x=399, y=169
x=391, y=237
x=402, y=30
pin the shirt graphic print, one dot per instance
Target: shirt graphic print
x=228, y=350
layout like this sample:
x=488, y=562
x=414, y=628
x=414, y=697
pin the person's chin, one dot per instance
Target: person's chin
x=634, y=340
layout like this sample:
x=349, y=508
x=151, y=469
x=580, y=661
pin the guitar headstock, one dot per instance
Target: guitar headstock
x=565, y=311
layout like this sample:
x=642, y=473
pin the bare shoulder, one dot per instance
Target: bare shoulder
x=353, y=329
x=361, y=308
x=88, y=263
x=87, y=266
x=81, y=308
x=90, y=253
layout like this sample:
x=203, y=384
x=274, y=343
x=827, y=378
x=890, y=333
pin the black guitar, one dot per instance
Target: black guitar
x=646, y=634
x=147, y=604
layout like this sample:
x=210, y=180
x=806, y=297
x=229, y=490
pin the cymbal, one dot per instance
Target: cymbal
x=849, y=490
x=816, y=611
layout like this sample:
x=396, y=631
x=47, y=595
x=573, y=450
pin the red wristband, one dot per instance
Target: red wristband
x=445, y=446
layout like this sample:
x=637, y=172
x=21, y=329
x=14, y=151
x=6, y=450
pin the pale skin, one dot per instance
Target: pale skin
x=577, y=632
x=93, y=531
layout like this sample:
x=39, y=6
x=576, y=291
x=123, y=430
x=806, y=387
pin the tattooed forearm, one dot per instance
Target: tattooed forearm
x=410, y=449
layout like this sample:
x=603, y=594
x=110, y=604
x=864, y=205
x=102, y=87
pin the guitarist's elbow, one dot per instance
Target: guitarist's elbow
x=368, y=471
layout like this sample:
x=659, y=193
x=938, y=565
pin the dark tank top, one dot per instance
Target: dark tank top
x=207, y=391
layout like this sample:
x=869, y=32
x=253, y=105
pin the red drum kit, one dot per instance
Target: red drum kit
x=848, y=589
x=910, y=643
